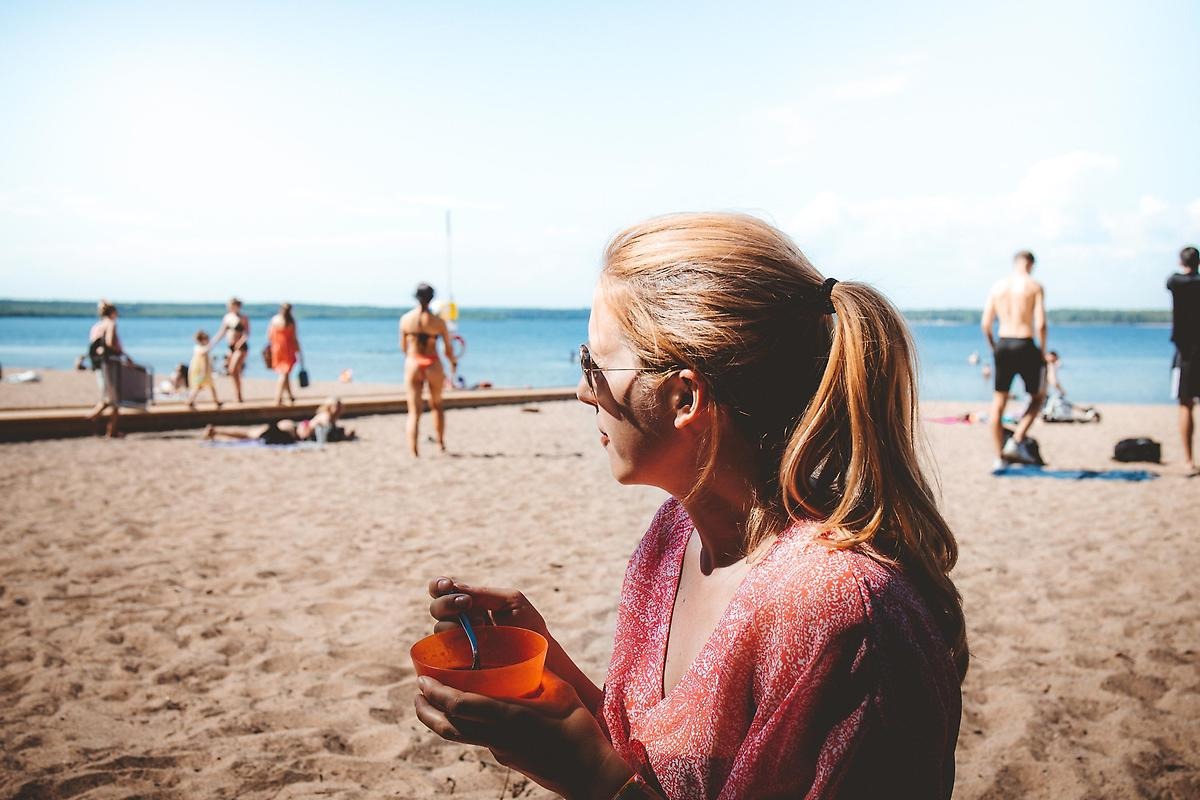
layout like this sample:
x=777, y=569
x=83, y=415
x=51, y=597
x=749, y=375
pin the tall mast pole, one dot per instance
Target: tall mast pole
x=449, y=260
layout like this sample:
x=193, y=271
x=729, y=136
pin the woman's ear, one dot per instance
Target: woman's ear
x=689, y=399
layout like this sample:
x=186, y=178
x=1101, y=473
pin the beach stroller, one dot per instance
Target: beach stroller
x=1059, y=409
x=135, y=385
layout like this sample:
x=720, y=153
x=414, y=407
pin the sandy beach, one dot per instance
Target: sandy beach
x=180, y=620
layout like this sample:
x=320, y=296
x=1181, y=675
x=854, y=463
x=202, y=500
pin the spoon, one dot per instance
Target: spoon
x=465, y=621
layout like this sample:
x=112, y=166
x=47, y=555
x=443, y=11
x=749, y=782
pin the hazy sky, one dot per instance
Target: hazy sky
x=308, y=151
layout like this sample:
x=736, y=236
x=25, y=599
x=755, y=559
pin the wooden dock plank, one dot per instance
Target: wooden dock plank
x=22, y=425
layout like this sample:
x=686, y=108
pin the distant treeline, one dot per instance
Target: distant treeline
x=67, y=308
x=62, y=308
x=1059, y=316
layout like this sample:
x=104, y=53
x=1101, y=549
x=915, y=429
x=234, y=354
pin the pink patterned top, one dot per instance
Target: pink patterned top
x=826, y=677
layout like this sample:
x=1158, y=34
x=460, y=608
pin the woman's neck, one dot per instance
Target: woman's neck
x=720, y=513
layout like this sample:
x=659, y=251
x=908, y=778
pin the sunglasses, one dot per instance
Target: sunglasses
x=591, y=368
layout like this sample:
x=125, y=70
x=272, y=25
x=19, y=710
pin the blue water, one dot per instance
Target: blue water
x=1101, y=363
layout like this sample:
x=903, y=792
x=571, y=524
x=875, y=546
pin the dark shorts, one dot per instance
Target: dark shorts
x=1019, y=357
x=245, y=348
x=1185, y=378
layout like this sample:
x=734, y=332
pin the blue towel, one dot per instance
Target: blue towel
x=1077, y=474
x=246, y=444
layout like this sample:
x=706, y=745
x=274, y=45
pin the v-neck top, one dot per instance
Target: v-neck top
x=825, y=677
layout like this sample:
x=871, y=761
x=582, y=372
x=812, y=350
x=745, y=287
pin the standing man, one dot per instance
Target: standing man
x=1184, y=287
x=1020, y=303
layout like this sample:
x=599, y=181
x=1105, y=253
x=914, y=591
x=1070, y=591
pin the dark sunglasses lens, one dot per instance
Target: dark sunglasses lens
x=586, y=365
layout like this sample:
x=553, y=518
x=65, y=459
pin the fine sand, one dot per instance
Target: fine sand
x=178, y=620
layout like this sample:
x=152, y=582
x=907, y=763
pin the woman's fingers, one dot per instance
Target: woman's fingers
x=437, y=721
x=449, y=606
x=466, y=706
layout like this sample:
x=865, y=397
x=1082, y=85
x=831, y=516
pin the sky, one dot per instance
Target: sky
x=309, y=152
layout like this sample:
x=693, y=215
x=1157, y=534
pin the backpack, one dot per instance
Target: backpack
x=98, y=352
x=1138, y=450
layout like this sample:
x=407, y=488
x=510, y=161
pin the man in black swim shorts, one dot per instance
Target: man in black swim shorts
x=1184, y=287
x=1019, y=302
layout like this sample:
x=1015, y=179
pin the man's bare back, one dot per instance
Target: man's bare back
x=1016, y=300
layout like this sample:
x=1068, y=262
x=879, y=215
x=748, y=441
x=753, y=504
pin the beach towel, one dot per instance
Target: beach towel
x=1077, y=474
x=254, y=444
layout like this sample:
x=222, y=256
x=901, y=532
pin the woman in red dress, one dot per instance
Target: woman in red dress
x=285, y=349
x=787, y=626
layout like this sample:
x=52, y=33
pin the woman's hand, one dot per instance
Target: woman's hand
x=507, y=607
x=551, y=738
x=484, y=606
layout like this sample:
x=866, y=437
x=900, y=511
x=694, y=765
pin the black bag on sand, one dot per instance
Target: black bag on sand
x=1138, y=450
x=266, y=353
x=303, y=376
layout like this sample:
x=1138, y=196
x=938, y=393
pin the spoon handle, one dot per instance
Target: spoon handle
x=465, y=621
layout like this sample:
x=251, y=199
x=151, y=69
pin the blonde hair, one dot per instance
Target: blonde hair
x=828, y=404
x=105, y=308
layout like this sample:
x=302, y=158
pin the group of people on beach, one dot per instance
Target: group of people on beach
x=1018, y=304
x=280, y=355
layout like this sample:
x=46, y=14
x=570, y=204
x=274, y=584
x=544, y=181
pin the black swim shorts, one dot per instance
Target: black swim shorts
x=1185, y=378
x=1019, y=357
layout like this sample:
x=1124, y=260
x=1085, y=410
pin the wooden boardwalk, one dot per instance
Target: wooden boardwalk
x=29, y=424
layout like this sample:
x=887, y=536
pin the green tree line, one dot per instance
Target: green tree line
x=64, y=308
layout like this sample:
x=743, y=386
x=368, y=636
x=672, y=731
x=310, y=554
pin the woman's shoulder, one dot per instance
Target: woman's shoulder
x=835, y=590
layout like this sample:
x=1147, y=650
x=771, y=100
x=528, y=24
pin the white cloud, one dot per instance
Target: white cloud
x=871, y=88
x=961, y=239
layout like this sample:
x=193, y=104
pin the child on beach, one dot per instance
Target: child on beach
x=788, y=626
x=200, y=372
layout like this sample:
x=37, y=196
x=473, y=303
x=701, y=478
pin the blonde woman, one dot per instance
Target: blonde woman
x=788, y=626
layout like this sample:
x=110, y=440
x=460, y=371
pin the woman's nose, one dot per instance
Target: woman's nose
x=584, y=393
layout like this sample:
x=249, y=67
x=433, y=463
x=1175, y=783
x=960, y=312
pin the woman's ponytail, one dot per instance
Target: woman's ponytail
x=852, y=459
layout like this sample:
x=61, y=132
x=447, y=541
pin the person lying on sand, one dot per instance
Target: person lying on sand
x=322, y=427
x=788, y=626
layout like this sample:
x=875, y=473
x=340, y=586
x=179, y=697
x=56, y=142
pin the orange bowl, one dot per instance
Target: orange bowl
x=512, y=660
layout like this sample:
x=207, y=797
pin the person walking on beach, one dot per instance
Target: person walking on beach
x=1184, y=287
x=200, y=371
x=285, y=348
x=106, y=354
x=787, y=626
x=1020, y=304
x=420, y=330
x=235, y=328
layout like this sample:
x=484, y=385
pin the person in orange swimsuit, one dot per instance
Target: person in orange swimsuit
x=285, y=349
x=420, y=330
x=787, y=626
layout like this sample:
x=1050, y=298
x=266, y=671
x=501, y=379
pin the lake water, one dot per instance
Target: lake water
x=1102, y=363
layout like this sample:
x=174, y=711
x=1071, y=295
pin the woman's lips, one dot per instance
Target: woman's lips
x=603, y=438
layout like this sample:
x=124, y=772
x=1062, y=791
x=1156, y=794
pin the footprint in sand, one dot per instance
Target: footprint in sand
x=1146, y=688
x=377, y=674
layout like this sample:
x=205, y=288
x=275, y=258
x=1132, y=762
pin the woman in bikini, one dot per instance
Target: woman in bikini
x=420, y=330
x=788, y=626
x=235, y=327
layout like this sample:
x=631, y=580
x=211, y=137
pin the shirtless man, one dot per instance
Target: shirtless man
x=419, y=332
x=1020, y=303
